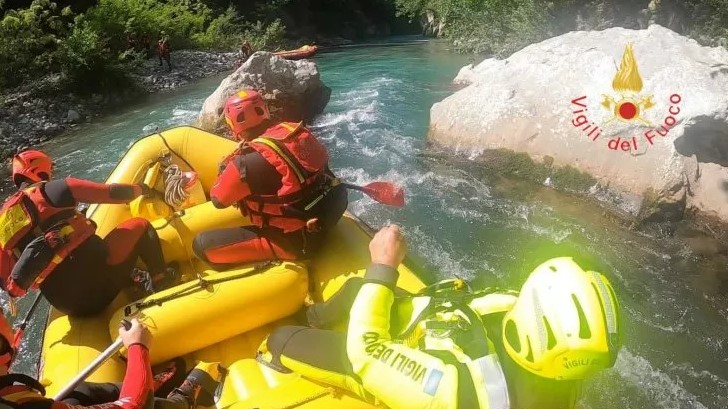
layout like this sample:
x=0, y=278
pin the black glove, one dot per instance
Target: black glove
x=149, y=192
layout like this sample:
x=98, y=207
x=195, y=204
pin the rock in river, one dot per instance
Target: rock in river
x=645, y=112
x=292, y=89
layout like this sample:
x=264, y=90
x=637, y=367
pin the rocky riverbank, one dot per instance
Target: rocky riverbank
x=34, y=113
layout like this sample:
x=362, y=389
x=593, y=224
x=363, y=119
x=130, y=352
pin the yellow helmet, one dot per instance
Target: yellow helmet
x=565, y=323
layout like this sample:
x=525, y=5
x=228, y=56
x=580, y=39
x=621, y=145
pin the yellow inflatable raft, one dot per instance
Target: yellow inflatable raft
x=214, y=315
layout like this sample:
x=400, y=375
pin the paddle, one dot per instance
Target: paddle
x=93, y=366
x=383, y=192
x=24, y=323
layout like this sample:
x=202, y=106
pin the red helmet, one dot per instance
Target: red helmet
x=6, y=332
x=34, y=165
x=244, y=110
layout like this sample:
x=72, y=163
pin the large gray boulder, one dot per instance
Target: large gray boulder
x=292, y=89
x=561, y=100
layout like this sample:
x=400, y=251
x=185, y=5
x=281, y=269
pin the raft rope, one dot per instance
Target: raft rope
x=200, y=285
x=175, y=182
x=311, y=398
x=169, y=148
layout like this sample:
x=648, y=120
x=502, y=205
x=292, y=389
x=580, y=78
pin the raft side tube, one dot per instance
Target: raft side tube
x=190, y=148
x=250, y=384
x=71, y=344
x=177, y=234
x=231, y=303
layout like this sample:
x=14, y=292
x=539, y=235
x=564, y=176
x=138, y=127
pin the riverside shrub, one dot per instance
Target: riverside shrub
x=30, y=41
x=501, y=27
x=92, y=49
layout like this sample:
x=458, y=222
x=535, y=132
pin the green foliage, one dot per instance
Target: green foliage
x=483, y=26
x=501, y=27
x=84, y=49
x=265, y=37
x=96, y=41
x=179, y=19
x=709, y=19
x=496, y=26
x=30, y=41
x=92, y=43
x=222, y=33
x=94, y=50
x=89, y=64
x=266, y=11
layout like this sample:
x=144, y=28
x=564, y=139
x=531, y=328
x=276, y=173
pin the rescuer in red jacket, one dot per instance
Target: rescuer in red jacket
x=20, y=391
x=279, y=177
x=46, y=243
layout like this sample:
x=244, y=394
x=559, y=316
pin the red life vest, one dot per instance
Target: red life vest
x=32, y=229
x=19, y=390
x=302, y=162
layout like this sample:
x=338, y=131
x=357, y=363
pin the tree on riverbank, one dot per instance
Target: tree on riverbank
x=95, y=49
x=93, y=45
x=501, y=27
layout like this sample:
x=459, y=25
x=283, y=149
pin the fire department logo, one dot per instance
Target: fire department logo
x=628, y=105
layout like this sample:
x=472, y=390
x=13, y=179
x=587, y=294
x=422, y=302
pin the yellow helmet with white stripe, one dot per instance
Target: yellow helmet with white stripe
x=565, y=323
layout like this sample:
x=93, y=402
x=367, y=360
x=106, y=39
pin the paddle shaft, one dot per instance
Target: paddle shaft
x=31, y=310
x=356, y=187
x=21, y=328
x=93, y=366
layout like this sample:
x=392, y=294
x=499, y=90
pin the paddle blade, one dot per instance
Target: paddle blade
x=18, y=338
x=386, y=193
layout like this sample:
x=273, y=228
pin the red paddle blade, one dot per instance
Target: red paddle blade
x=18, y=338
x=385, y=192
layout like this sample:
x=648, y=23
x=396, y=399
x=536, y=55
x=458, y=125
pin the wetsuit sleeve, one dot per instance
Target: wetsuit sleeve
x=230, y=187
x=68, y=192
x=138, y=381
x=399, y=376
x=136, y=391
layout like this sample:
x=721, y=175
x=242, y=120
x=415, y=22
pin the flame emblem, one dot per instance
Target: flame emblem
x=630, y=105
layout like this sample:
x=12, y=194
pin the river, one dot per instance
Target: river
x=463, y=220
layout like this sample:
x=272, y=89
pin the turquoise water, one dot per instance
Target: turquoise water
x=465, y=221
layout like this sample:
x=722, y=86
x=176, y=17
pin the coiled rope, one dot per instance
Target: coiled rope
x=174, y=186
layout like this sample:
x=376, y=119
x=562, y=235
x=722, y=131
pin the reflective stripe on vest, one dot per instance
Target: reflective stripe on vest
x=302, y=162
x=486, y=373
x=493, y=380
x=19, y=389
x=290, y=161
x=27, y=394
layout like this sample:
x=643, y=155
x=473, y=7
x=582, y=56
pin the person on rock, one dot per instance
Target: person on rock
x=46, y=243
x=279, y=177
x=20, y=391
x=246, y=50
x=163, y=50
x=448, y=347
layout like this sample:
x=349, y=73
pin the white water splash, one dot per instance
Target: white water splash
x=433, y=250
x=182, y=116
x=351, y=118
x=702, y=375
x=149, y=128
x=666, y=392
